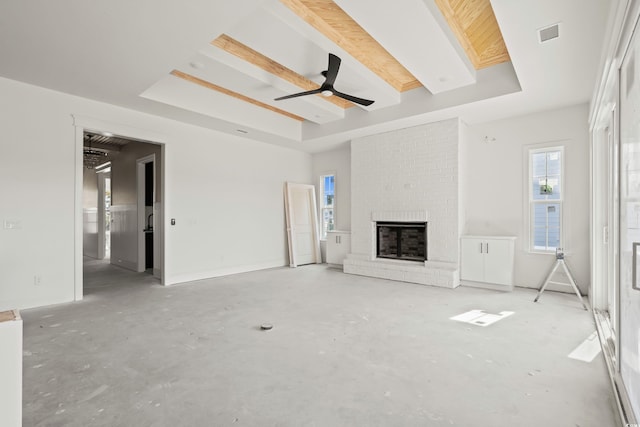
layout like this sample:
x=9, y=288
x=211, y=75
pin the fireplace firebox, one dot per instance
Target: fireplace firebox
x=402, y=240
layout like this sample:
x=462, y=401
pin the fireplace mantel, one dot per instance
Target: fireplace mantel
x=399, y=216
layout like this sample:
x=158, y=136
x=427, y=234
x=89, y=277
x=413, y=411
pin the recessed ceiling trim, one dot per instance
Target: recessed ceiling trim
x=477, y=30
x=330, y=20
x=242, y=51
x=212, y=86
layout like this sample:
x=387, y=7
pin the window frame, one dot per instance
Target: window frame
x=531, y=202
x=322, y=206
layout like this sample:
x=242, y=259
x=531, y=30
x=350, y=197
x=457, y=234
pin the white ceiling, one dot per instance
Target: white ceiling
x=122, y=51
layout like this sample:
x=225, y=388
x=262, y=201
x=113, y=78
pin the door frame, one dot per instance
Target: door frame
x=612, y=290
x=142, y=216
x=102, y=176
x=84, y=123
x=624, y=16
x=604, y=222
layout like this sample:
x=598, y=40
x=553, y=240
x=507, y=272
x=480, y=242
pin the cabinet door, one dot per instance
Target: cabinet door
x=472, y=260
x=332, y=248
x=498, y=262
x=338, y=246
x=344, y=245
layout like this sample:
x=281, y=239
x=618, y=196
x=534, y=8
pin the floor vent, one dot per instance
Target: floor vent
x=549, y=33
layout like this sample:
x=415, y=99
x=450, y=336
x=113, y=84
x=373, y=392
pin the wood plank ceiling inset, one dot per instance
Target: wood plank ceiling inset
x=475, y=25
x=212, y=86
x=242, y=51
x=329, y=19
x=6, y=316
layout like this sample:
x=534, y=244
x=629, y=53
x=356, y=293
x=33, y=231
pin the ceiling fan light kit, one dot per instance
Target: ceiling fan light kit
x=327, y=89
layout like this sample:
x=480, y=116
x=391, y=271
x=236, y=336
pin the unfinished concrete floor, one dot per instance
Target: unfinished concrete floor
x=344, y=351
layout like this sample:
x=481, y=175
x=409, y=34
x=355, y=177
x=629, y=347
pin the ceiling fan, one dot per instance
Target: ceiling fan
x=326, y=89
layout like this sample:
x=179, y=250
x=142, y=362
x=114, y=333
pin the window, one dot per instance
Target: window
x=545, y=198
x=327, y=203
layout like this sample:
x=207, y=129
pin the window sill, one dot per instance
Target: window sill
x=542, y=252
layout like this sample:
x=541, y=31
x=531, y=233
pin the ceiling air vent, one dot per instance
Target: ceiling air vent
x=549, y=33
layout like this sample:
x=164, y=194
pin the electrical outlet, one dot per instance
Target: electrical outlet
x=37, y=280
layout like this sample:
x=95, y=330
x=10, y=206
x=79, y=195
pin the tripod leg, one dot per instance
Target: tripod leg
x=546, y=281
x=573, y=284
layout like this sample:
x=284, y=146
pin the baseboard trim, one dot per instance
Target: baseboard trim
x=484, y=285
x=129, y=265
x=191, y=277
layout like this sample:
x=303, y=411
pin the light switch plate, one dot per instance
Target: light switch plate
x=11, y=224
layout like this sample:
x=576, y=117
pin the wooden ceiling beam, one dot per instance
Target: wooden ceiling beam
x=212, y=86
x=244, y=52
x=476, y=28
x=329, y=19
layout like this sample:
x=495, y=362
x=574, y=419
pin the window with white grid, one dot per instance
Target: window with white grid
x=546, y=194
x=327, y=203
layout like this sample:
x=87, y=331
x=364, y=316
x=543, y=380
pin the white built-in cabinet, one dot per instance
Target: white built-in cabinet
x=338, y=246
x=487, y=261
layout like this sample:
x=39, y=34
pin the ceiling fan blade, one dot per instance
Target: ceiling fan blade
x=361, y=101
x=295, y=95
x=330, y=78
x=332, y=70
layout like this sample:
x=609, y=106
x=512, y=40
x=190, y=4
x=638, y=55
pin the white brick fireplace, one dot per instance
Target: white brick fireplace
x=410, y=175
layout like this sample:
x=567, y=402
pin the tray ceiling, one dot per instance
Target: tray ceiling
x=221, y=64
x=282, y=48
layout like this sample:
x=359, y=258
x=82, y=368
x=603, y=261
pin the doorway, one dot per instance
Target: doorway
x=146, y=202
x=122, y=226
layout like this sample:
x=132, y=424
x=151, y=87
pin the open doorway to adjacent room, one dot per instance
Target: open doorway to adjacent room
x=122, y=205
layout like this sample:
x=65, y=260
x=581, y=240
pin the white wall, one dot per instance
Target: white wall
x=90, y=213
x=494, y=182
x=124, y=201
x=227, y=197
x=225, y=192
x=123, y=172
x=339, y=163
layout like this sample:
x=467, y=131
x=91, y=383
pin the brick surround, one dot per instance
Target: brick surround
x=407, y=175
